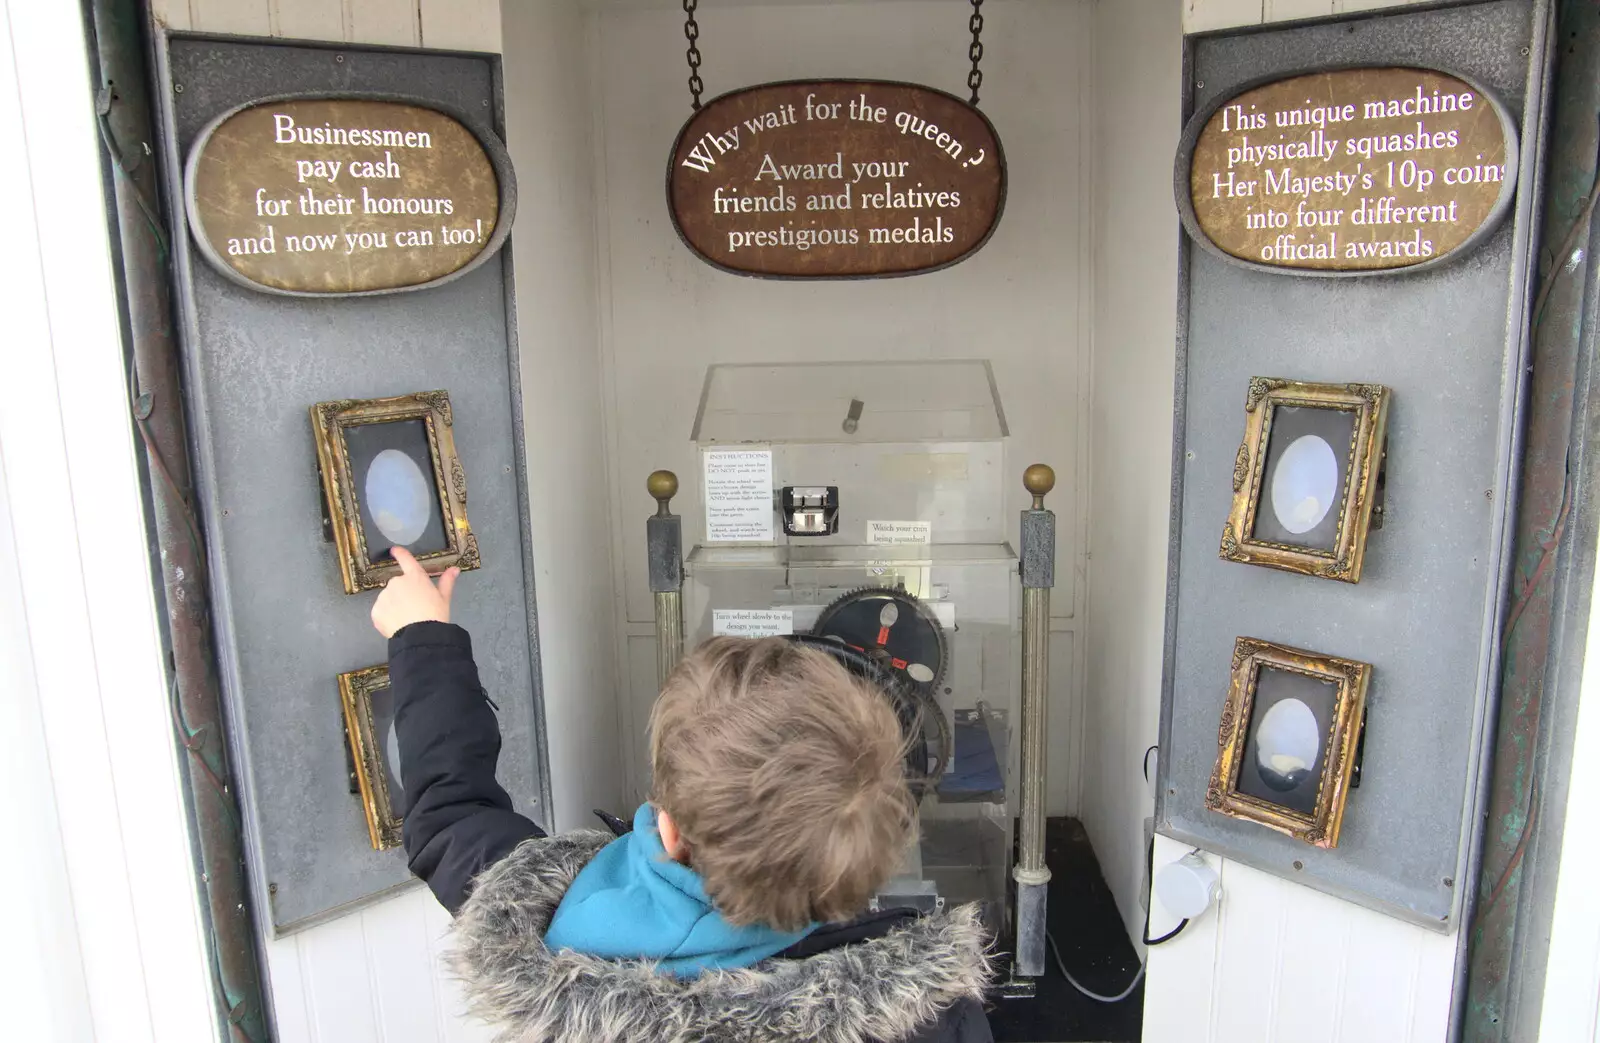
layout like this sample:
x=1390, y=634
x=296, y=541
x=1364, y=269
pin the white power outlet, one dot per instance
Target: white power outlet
x=1144, y=886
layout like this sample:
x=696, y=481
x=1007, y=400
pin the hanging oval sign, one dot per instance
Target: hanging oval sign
x=828, y=179
x=346, y=196
x=1347, y=172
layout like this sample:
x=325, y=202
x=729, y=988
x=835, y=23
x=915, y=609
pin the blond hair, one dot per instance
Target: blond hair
x=785, y=776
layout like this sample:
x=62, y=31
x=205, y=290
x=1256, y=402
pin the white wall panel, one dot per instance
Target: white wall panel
x=458, y=25
x=549, y=131
x=244, y=17
x=1277, y=961
x=394, y=22
x=102, y=876
x=1137, y=64
x=1207, y=15
x=308, y=19
x=1288, y=10
x=474, y=25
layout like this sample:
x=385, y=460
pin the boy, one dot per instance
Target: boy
x=729, y=912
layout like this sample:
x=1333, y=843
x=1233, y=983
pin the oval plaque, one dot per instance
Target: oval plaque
x=836, y=179
x=1348, y=171
x=346, y=195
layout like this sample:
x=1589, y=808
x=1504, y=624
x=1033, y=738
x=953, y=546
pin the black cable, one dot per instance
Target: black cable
x=1149, y=942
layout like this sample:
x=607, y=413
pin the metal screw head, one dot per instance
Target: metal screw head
x=272, y=889
x=1199, y=85
x=338, y=57
x=1525, y=52
x=1299, y=864
x=177, y=88
x=1449, y=881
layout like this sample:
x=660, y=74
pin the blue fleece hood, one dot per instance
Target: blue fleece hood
x=633, y=902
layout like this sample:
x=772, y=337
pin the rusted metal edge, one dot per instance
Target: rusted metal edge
x=1553, y=569
x=141, y=233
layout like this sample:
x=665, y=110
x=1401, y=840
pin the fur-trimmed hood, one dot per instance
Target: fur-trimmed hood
x=882, y=989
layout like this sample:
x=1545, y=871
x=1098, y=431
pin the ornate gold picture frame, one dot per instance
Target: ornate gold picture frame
x=1290, y=740
x=391, y=476
x=369, y=725
x=1308, y=512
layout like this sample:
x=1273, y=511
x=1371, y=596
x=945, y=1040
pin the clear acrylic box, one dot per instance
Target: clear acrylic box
x=926, y=445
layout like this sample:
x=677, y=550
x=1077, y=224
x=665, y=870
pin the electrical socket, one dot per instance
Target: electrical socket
x=1149, y=838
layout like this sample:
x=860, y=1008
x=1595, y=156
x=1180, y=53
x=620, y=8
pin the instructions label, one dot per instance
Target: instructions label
x=892, y=532
x=752, y=622
x=738, y=486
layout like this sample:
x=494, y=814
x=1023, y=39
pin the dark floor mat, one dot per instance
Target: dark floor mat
x=1083, y=919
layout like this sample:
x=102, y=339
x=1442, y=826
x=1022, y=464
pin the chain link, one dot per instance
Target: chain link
x=975, y=52
x=691, y=31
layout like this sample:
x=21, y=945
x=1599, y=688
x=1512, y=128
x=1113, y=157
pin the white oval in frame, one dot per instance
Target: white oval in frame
x=398, y=496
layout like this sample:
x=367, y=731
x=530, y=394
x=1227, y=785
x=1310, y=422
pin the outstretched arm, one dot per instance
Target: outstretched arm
x=458, y=819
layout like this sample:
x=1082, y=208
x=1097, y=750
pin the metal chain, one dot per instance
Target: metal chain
x=975, y=52
x=691, y=30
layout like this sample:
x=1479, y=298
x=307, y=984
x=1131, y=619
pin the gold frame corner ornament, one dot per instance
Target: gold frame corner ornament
x=1320, y=829
x=355, y=698
x=328, y=423
x=1370, y=404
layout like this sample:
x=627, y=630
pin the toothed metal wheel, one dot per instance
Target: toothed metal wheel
x=903, y=637
x=893, y=627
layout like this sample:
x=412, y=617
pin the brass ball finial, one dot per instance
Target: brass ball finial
x=1039, y=479
x=663, y=486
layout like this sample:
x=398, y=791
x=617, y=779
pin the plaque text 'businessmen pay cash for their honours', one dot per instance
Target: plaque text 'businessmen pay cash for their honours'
x=343, y=195
x=836, y=179
x=1350, y=170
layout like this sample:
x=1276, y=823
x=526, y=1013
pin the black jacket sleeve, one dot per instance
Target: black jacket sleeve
x=458, y=819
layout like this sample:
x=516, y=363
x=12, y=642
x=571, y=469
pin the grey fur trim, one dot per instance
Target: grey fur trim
x=883, y=989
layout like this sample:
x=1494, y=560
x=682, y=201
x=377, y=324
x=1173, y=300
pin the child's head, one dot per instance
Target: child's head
x=784, y=777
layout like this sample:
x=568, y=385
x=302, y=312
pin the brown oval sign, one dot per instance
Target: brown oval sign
x=1349, y=171
x=836, y=179
x=344, y=196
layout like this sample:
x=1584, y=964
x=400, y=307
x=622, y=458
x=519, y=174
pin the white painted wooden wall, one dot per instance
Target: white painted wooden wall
x=1205, y=15
x=102, y=938
x=1241, y=974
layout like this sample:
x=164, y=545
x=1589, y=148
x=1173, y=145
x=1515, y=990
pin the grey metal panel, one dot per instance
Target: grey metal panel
x=255, y=363
x=1447, y=342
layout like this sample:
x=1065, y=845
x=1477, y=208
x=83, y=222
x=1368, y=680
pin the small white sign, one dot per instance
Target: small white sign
x=752, y=622
x=882, y=532
x=738, y=488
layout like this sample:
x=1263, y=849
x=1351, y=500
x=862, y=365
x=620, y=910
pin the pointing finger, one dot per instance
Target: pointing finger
x=407, y=562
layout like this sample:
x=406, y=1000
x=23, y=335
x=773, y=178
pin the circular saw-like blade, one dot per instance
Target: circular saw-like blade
x=892, y=626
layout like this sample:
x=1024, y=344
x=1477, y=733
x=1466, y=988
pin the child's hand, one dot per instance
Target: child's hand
x=411, y=596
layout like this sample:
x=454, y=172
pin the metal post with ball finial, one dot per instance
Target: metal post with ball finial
x=1031, y=873
x=664, y=541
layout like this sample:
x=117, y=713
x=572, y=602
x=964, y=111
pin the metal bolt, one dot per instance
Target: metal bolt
x=177, y=88
x=1449, y=881
x=1189, y=455
x=338, y=57
x=1299, y=865
x=486, y=103
x=272, y=889
x=1524, y=52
